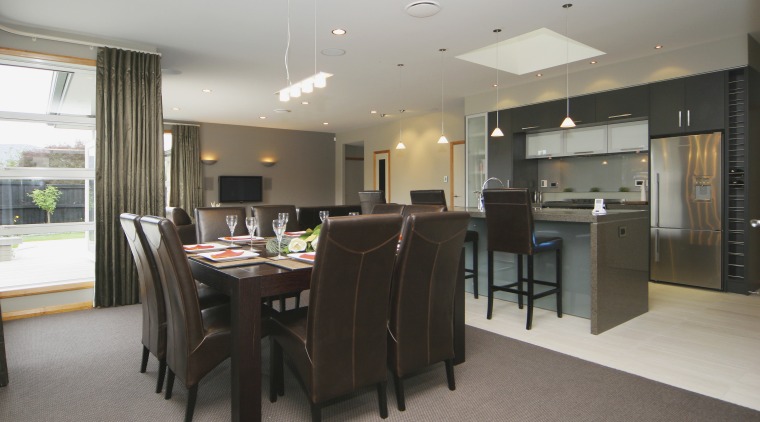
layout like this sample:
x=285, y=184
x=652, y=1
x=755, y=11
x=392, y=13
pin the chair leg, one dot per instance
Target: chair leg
x=273, y=382
x=161, y=375
x=382, y=399
x=169, y=384
x=192, y=394
x=489, y=312
x=475, y=267
x=316, y=413
x=450, y=374
x=529, y=322
x=520, y=280
x=559, y=283
x=144, y=362
x=398, y=384
x=282, y=304
x=298, y=300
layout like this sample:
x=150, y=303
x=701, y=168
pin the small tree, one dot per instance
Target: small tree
x=46, y=199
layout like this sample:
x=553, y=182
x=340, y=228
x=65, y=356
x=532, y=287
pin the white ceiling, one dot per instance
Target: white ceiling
x=237, y=48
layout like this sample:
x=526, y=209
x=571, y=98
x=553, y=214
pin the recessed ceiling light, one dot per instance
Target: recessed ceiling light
x=176, y=108
x=262, y=117
x=538, y=75
x=658, y=46
x=338, y=31
x=593, y=62
x=373, y=112
x=206, y=91
x=325, y=123
x=305, y=102
x=333, y=52
x=494, y=85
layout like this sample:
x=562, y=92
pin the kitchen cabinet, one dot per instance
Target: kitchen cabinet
x=626, y=103
x=545, y=144
x=687, y=105
x=538, y=116
x=500, y=154
x=587, y=140
x=582, y=110
x=628, y=137
x=477, y=150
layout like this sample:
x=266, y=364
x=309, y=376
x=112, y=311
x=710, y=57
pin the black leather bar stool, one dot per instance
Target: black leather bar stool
x=509, y=219
x=438, y=197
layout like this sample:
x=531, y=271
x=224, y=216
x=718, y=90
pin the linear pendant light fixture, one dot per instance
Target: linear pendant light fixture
x=442, y=139
x=400, y=144
x=497, y=132
x=568, y=122
x=306, y=86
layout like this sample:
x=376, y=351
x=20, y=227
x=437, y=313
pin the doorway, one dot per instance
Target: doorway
x=381, y=170
x=353, y=172
x=456, y=173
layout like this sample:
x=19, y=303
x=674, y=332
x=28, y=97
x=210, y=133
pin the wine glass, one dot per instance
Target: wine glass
x=323, y=215
x=250, y=224
x=279, y=229
x=284, y=217
x=231, y=223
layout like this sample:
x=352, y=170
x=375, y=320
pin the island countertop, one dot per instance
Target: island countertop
x=568, y=215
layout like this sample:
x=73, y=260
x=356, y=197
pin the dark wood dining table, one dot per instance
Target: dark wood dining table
x=246, y=286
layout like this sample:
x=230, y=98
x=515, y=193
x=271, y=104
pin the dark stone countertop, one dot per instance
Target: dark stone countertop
x=570, y=215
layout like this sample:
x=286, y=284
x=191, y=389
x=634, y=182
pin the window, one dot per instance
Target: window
x=47, y=171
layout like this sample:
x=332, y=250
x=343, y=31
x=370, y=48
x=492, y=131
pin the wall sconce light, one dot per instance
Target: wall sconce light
x=268, y=162
x=209, y=161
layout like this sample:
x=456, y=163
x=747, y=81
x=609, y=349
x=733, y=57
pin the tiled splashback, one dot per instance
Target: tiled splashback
x=610, y=174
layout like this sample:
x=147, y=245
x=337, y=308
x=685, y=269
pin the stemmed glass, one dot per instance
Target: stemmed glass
x=323, y=215
x=231, y=223
x=279, y=229
x=284, y=217
x=250, y=224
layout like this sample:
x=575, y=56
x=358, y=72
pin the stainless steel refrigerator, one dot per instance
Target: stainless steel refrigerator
x=685, y=205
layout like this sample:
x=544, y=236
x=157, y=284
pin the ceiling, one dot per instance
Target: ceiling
x=237, y=49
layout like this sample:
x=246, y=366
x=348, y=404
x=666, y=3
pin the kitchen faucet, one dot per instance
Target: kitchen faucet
x=481, y=203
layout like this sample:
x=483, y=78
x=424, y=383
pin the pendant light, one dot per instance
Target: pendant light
x=442, y=139
x=568, y=122
x=400, y=144
x=497, y=132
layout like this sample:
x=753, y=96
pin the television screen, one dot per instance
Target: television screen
x=240, y=188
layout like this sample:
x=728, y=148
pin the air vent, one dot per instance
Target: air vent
x=423, y=9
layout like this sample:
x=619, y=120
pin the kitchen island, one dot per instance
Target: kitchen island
x=605, y=263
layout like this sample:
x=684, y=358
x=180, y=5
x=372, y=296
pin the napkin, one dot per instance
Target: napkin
x=237, y=238
x=309, y=256
x=227, y=254
x=197, y=247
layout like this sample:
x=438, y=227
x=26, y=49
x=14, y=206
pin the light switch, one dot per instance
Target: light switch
x=445, y=179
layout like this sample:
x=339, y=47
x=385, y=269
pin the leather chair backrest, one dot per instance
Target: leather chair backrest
x=388, y=209
x=183, y=223
x=151, y=291
x=429, y=197
x=368, y=199
x=346, y=337
x=422, y=292
x=211, y=223
x=265, y=214
x=184, y=324
x=417, y=209
x=509, y=220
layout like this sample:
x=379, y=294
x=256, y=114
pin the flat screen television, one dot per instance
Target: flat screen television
x=240, y=188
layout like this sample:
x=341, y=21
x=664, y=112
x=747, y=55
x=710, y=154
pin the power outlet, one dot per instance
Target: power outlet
x=544, y=183
x=554, y=184
x=445, y=179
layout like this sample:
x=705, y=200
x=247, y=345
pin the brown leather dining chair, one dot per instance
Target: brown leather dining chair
x=183, y=223
x=388, y=209
x=197, y=339
x=369, y=198
x=438, y=197
x=211, y=224
x=338, y=344
x=509, y=221
x=152, y=296
x=421, y=322
x=265, y=214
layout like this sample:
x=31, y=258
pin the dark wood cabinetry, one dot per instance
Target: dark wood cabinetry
x=538, y=116
x=500, y=158
x=687, y=105
x=626, y=103
x=582, y=110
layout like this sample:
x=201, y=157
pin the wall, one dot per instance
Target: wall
x=710, y=57
x=424, y=162
x=304, y=174
x=353, y=166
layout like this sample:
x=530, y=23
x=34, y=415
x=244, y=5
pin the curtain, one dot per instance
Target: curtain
x=186, y=174
x=129, y=164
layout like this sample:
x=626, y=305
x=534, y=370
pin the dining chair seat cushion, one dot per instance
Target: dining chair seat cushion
x=208, y=297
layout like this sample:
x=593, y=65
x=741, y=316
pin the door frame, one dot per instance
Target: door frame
x=451, y=172
x=388, y=171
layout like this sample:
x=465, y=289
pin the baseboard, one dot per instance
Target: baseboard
x=47, y=310
x=56, y=288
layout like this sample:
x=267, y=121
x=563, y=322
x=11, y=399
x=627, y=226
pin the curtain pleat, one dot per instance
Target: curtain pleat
x=129, y=164
x=186, y=173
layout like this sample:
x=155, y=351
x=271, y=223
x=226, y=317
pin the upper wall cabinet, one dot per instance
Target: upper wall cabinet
x=626, y=103
x=587, y=140
x=582, y=110
x=545, y=144
x=628, y=137
x=538, y=116
x=687, y=105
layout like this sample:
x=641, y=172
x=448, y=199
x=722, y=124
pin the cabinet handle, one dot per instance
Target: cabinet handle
x=679, y=118
x=632, y=149
x=656, y=245
x=688, y=117
x=583, y=152
x=617, y=116
x=530, y=127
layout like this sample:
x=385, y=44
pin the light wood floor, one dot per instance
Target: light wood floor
x=702, y=341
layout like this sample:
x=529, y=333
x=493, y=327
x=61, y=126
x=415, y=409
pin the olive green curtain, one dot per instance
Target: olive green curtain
x=129, y=170
x=186, y=173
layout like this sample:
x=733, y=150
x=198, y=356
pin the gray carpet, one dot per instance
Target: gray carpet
x=83, y=366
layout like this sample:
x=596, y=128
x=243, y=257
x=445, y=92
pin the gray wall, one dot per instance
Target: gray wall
x=354, y=176
x=304, y=174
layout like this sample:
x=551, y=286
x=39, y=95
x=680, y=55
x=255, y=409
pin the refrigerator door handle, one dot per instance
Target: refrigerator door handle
x=656, y=245
x=679, y=118
x=688, y=118
x=657, y=196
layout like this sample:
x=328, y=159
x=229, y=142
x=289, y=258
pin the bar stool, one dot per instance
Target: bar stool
x=438, y=197
x=509, y=220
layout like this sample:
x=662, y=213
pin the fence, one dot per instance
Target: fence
x=17, y=207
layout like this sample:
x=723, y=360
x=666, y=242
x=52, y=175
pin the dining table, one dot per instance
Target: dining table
x=246, y=284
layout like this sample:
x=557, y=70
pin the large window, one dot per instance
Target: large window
x=47, y=171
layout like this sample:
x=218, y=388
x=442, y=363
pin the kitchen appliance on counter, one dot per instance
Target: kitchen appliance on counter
x=685, y=198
